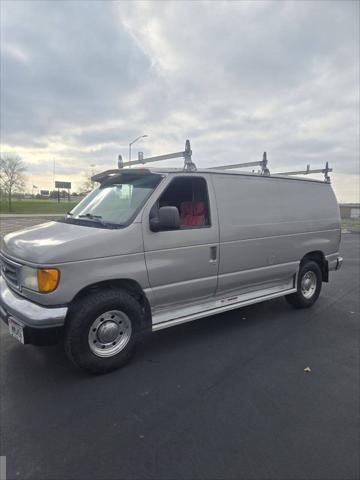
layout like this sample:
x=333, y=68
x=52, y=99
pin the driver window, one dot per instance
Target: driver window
x=190, y=197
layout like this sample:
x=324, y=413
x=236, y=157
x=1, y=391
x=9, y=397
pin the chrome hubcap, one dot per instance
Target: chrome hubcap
x=308, y=284
x=109, y=333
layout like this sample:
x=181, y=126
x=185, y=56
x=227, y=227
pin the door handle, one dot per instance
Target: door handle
x=213, y=254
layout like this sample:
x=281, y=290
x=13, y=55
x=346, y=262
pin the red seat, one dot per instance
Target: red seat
x=192, y=214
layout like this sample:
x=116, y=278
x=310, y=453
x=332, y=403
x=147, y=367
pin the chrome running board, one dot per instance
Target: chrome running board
x=188, y=314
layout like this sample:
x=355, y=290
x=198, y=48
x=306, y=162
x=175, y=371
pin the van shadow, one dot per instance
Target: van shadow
x=216, y=327
x=50, y=362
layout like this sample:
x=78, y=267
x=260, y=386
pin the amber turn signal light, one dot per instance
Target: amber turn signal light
x=48, y=279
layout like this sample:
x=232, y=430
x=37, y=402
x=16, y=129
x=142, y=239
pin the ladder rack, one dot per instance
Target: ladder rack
x=186, y=154
x=191, y=167
x=308, y=170
x=262, y=164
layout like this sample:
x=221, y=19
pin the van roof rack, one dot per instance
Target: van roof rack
x=186, y=154
x=308, y=170
x=262, y=164
x=190, y=166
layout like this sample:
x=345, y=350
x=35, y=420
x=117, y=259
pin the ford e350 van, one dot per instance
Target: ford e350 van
x=149, y=249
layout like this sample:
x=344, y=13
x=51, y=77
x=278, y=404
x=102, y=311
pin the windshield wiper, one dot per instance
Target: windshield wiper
x=96, y=218
x=90, y=215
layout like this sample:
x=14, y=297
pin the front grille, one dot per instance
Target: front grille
x=10, y=270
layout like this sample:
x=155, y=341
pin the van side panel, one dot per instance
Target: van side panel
x=268, y=224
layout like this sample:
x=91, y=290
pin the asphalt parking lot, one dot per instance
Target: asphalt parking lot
x=225, y=397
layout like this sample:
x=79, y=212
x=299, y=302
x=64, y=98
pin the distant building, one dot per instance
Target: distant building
x=350, y=210
x=45, y=193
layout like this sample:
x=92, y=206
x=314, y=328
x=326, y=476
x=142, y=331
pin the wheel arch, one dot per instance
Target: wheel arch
x=318, y=257
x=127, y=284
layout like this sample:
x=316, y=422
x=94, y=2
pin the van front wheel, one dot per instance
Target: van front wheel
x=308, y=286
x=102, y=330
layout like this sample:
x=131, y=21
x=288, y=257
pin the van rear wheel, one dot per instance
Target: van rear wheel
x=308, y=286
x=102, y=330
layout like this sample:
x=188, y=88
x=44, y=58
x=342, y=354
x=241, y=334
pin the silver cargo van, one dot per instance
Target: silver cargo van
x=149, y=249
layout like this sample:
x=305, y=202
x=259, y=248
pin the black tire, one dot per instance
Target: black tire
x=299, y=299
x=81, y=317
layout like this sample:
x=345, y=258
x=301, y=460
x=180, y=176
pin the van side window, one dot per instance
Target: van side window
x=190, y=197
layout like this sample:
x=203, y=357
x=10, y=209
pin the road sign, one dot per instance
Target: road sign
x=66, y=185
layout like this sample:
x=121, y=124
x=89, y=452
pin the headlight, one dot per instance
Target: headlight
x=42, y=280
x=28, y=278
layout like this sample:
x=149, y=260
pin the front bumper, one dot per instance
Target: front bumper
x=41, y=325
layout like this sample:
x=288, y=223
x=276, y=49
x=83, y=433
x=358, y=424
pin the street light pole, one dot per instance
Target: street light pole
x=131, y=143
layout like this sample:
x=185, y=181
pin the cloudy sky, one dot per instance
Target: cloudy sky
x=80, y=79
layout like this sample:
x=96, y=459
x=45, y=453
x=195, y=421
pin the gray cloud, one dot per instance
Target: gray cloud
x=76, y=67
x=237, y=78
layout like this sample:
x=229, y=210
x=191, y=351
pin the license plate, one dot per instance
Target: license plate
x=16, y=330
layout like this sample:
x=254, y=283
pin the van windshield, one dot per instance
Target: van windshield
x=116, y=201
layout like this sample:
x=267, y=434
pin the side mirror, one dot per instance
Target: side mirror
x=168, y=219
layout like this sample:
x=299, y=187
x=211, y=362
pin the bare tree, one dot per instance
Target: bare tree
x=12, y=178
x=88, y=184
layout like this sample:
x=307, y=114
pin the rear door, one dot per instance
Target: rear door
x=182, y=264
